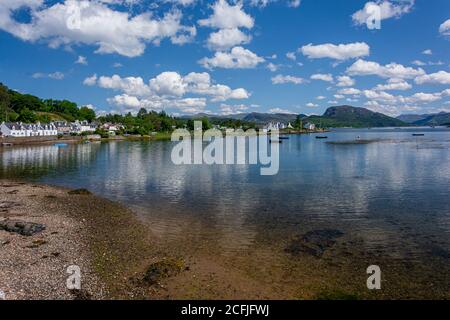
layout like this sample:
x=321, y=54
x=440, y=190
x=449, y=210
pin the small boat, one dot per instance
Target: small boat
x=418, y=134
x=60, y=145
x=7, y=144
x=275, y=141
x=321, y=137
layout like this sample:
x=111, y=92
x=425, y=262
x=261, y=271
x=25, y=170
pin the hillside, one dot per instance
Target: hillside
x=434, y=119
x=254, y=117
x=16, y=106
x=348, y=116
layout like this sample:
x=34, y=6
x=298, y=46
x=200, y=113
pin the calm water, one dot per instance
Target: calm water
x=393, y=194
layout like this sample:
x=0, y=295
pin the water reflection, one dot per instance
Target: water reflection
x=390, y=193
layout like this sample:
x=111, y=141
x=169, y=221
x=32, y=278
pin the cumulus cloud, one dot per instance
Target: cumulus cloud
x=226, y=109
x=441, y=77
x=166, y=89
x=388, y=9
x=227, y=38
x=444, y=28
x=237, y=58
x=93, y=23
x=348, y=91
x=323, y=77
x=81, y=60
x=345, y=81
x=291, y=56
x=280, y=110
x=338, y=52
x=281, y=79
x=394, y=84
x=226, y=16
x=392, y=70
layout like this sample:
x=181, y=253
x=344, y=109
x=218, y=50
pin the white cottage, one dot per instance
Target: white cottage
x=20, y=129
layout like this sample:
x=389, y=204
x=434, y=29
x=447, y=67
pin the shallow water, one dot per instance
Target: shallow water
x=390, y=194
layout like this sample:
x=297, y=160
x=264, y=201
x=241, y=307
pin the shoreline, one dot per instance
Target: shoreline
x=121, y=258
x=102, y=237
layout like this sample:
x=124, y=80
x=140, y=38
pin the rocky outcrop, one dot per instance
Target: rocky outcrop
x=21, y=227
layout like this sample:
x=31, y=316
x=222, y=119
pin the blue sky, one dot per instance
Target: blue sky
x=224, y=56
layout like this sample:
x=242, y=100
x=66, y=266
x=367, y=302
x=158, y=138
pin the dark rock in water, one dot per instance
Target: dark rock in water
x=439, y=252
x=163, y=269
x=21, y=227
x=80, y=192
x=314, y=242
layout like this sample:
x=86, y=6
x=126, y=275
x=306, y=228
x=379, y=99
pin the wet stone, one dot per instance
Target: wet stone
x=314, y=243
x=163, y=269
x=21, y=227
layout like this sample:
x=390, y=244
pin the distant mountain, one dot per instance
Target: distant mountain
x=254, y=117
x=348, y=116
x=270, y=117
x=434, y=119
x=334, y=117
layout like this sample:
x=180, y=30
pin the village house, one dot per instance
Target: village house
x=274, y=126
x=62, y=127
x=112, y=128
x=19, y=129
x=309, y=126
x=79, y=127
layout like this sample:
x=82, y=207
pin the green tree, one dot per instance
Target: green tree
x=4, y=102
x=27, y=116
x=86, y=113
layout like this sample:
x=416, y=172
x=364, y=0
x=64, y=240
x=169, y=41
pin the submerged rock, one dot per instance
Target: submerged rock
x=21, y=227
x=314, y=242
x=163, y=269
x=80, y=192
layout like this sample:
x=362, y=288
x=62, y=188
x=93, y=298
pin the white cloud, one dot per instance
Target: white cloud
x=324, y=77
x=427, y=52
x=388, y=9
x=237, y=58
x=90, y=81
x=441, y=77
x=168, y=84
x=227, y=38
x=55, y=75
x=93, y=23
x=81, y=60
x=272, y=67
x=280, y=110
x=227, y=110
x=291, y=56
x=394, y=84
x=392, y=70
x=311, y=105
x=320, y=98
x=419, y=63
x=338, y=52
x=349, y=91
x=444, y=28
x=345, y=81
x=226, y=16
x=167, y=89
x=280, y=79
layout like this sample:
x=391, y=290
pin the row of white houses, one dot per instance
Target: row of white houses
x=19, y=129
